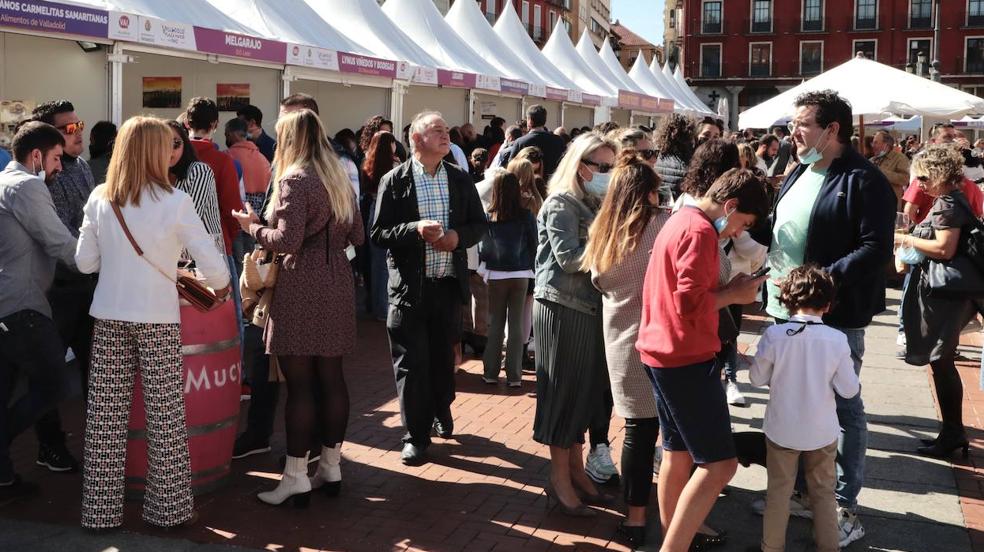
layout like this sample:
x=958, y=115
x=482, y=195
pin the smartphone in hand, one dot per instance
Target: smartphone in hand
x=761, y=272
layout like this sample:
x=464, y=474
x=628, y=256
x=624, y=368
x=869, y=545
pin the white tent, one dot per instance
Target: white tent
x=610, y=60
x=193, y=12
x=288, y=21
x=642, y=76
x=681, y=91
x=512, y=33
x=561, y=53
x=421, y=21
x=589, y=56
x=678, y=76
x=682, y=102
x=874, y=90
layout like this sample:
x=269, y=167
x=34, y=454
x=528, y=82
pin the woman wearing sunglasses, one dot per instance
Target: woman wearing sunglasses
x=196, y=179
x=571, y=375
x=639, y=140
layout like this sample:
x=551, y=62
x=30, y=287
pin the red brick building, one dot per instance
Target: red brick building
x=539, y=16
x=750, y=50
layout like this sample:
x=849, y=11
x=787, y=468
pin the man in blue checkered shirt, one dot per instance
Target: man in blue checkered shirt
x=427, y=214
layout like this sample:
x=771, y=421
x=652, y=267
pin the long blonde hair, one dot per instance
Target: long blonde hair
x=140, y=161
x=303, y=144
x=625, y=212
x=524, y=171
x=565, y=178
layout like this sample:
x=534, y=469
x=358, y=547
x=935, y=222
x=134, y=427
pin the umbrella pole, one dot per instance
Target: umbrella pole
x=861, y=120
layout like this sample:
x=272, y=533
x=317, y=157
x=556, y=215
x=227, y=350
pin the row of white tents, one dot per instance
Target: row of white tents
x=355, y=57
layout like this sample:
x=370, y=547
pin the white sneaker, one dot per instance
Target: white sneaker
x=850, y=526
x=799, y=506
x=600, y=467
x=900, y=340
x=734, y=395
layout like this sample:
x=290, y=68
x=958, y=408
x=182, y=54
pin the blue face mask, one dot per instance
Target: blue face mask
x=909, y=255
x=722, y=222
x=598, y=184
x=812, y=155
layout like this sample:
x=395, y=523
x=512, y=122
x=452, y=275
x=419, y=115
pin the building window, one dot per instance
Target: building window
x=975, y=12
x=812, y=15
x=673, y=19
x=975, y=55
x=490, y=11
x=760, y=59
x=920, y=46
x=710, y=60
x=761, y=16
x=811, y=58
x=712, y=17
x=525, y=13
x=537, y=22
x=867, y=47
x=920, y=14
x=866, y=14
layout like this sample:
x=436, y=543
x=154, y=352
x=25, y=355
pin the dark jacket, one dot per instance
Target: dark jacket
x=551, y=145
x=266, y=145
x=395, y=228
x=671, y=170
x=850, y=235
x=510, y=246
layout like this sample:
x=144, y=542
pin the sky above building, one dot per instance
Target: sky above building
x=644, y=17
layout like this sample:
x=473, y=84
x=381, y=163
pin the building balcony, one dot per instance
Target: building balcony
x=564, y=4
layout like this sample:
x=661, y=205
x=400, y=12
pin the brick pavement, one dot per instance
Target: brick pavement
x=969, y=473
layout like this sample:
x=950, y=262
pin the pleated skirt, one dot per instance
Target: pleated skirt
x=570, y=373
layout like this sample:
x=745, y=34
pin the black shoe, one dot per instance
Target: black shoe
x=413, y=455
x=444, y=424
x=634, y=535
x=703, y=541
x=17, y=489
x=475, y=341
x=944, y=447
x=57, y=458
x=248, y=445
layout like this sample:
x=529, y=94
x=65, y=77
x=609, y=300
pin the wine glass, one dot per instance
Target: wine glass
x=902, y=222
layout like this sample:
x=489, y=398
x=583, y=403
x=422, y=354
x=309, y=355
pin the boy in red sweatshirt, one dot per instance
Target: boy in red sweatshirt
x=677, y=341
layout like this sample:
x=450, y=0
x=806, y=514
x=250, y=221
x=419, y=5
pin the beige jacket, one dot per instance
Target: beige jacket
x=895, y=166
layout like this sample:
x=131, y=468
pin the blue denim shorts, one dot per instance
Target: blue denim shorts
x=693, y=411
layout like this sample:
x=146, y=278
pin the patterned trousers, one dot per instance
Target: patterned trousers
x=119, y=351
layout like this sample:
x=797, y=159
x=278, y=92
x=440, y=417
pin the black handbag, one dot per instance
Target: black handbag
x=962, y=275
x=727, y=327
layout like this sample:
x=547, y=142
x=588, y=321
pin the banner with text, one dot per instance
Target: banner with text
x=51, y=17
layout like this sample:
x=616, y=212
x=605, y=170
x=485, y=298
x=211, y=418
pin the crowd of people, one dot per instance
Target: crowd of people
x=614, y=263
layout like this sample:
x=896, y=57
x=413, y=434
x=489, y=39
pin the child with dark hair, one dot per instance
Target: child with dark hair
x=804, y=363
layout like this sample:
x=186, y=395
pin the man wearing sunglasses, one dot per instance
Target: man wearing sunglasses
x=551, y=145
x=71, y=292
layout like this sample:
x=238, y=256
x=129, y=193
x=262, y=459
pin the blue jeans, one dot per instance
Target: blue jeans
x=853, y=443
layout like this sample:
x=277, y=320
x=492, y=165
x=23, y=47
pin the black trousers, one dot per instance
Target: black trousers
x=638, y=452
x=264, y=393
x=601, y=421
x=422, y=339
x=949, y=393
x=70, y=302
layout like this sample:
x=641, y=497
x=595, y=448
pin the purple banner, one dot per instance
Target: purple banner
x=365, y=65
x=50, y=17
x=629, y=100
x=590, y=99
x=513, y=87
x=455, y=79
x=558, y=94
x=237, y=45
x=665, y=106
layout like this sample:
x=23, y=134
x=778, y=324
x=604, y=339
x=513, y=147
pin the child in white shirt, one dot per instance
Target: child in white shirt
x=804, y=363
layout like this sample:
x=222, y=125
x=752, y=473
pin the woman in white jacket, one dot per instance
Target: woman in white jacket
x=138, y=326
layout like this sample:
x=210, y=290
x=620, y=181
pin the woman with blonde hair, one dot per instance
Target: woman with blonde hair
x=746, y=156
x=570, y=360
x=619, y=242
x=139, y=330
x=312, y=217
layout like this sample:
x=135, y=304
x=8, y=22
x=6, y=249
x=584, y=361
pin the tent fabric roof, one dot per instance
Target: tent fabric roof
x=467, y=21
x=678, y=75
x=873, y=89
x=561, y=53
x=512, y=33
x=665, y=76
x=290, y=21
x=191, y=12
x=422, y=22
x=603, y=75
x=642, y=76
x=610, y=60
x=366, y=24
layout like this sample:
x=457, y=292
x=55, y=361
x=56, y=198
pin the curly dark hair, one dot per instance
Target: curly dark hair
x=712, y=159
x=676, y=135
x=807, y=287
x=46, y=112
x=370, y=129
x=202, y=113
x=830, y=108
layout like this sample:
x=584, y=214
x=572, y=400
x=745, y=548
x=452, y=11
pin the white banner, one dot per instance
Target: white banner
x=310, y=56
x=149, y=30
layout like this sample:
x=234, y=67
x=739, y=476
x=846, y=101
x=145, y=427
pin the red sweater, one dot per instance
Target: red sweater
x=226, y=187
x=679, y=322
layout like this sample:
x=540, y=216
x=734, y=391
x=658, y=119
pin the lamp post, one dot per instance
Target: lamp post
x=934, y=70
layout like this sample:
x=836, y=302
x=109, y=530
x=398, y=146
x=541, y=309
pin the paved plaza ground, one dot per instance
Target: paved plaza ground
x=483, y=489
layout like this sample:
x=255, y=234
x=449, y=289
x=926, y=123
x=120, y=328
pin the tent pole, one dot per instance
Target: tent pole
x=117, y=59
x=861, y=120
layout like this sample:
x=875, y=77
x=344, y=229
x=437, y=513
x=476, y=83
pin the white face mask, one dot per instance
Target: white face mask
x=812, y=155
x=37, y=167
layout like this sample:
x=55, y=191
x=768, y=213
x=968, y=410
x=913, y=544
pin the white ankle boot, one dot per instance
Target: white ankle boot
x=329, y=474
x=293, y=485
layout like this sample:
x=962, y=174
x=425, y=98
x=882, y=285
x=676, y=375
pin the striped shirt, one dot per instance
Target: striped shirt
x=433, y=202
x=200, y=185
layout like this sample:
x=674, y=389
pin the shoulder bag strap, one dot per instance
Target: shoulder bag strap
x=133, y=242
x=962, y=202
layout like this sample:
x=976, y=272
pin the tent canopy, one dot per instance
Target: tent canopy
x=290, y=21
x=589, y=56
x=561, y=53
x=642, y=76
x=421, y=21
x=678, y=76
x=366, y=24
x=682, y=102
x=873, y=89
x=467, y=21
x=190, y=12
x=681, y=91
x=512, y=33
x=610, y=60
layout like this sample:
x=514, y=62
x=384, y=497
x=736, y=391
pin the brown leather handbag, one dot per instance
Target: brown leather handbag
x=189, y=289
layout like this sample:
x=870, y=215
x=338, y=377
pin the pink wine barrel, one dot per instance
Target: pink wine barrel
x=212, y=360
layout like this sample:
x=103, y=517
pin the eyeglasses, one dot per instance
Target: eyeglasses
x=602, y=167
x=177, y=143
x=72, y=128
x=648, y=154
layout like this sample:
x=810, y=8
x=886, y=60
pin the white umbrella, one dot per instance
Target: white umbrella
x=874, y=90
